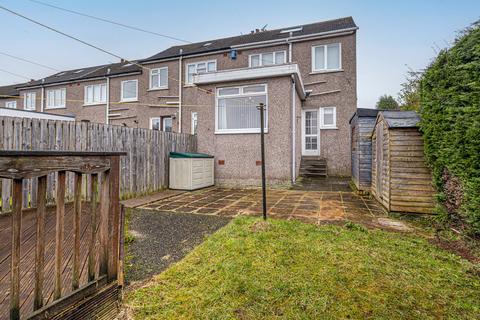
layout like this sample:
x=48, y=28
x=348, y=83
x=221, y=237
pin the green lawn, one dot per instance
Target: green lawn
x=293, y=270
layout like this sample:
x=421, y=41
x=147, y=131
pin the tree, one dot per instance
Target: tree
x=409, y=95
x=387, y=102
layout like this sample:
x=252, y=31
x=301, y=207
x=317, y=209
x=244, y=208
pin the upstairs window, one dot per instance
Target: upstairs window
x=29, y=100
x=11, y=104
x=95, y=94
x=236, y=109
x=199, y=68
x=56, y=98
x=159, y=78
x=267, y=59
x=327, y=57
x=129, y=90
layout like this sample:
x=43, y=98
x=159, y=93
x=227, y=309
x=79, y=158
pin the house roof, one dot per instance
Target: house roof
x=270, y=35
x=85, y=74
x=9, y=91
x=401, y=119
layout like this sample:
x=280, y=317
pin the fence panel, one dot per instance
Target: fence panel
x=144, y=169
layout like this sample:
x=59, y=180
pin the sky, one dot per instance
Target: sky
x=394, y=36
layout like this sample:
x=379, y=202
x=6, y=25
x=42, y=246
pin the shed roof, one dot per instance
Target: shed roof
x=364, y=112
x=401, y=119
x=269, y=35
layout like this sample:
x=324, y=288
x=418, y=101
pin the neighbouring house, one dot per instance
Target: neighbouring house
x=9, y=96
x=401, y=179
x=306, y=76
x=361, y=128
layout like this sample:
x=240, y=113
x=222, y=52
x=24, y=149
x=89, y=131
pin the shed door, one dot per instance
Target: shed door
x=379, y=151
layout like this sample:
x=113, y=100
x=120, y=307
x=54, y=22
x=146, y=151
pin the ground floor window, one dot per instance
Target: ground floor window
x=328, y=117
x=194, y=123
x=161, y=124
x=11, y=104
x=236, y=109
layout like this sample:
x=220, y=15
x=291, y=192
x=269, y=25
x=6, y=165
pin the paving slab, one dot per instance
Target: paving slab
x=305, y=205
x=145, y=200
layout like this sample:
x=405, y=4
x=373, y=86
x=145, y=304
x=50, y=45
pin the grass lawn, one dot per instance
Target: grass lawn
x=294, y=270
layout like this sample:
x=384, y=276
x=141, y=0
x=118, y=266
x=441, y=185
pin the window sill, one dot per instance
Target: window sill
x=127, y=101
x=328, y=128
x=94, y=104
x=326, y=71
x=54, y=108
x=240, y=132
x=188, y=85
x=26, y=109
x=158, y=89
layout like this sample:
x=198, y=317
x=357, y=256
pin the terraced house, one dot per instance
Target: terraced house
x=305, y=75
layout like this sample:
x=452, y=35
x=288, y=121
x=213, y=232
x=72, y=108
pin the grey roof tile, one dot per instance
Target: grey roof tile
x=277, y=34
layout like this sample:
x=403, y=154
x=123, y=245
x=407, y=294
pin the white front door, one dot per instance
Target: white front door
x=310, y=133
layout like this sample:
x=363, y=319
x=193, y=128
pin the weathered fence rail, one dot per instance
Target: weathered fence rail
x=144, y=169
x=63, y=260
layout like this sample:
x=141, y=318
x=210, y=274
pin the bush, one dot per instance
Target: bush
x=450, y=110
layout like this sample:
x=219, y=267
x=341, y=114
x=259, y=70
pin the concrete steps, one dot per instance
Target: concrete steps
x=313, y=167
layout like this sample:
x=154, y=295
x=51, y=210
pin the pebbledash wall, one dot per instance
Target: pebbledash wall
x=240, y=152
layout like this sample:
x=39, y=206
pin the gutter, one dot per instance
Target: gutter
x=107, y=107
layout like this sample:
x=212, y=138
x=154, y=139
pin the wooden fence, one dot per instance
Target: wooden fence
x=144, y=169
x=65, y=255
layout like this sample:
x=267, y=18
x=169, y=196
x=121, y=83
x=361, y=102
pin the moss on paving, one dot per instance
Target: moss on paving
x=293, y=270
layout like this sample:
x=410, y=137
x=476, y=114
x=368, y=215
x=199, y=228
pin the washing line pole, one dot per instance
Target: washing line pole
x=261, y=107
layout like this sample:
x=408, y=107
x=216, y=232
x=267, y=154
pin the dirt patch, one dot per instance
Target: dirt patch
x=457, y=247
x=261, y=226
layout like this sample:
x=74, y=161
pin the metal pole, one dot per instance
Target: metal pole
x=261, y=107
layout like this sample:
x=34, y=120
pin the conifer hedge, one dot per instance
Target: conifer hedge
x=450, y=110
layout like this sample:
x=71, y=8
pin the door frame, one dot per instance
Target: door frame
x=304, y=152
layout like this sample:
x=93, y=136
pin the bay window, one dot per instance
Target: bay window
x=95, y=94
x=327, y=57
x=29, y=100
x=56, y=98
x=159, y=78
x=267, y=59
x=199, y=68
x=236, y=109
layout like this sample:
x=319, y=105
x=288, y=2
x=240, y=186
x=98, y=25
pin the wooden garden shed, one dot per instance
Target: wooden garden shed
x=401, y=180
x=361, y=128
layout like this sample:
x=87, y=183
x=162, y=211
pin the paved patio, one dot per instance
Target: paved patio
x=307, y=206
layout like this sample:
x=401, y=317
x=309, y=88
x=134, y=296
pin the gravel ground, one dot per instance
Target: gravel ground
x=161, y=239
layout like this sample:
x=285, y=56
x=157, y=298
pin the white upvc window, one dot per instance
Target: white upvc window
x=236, y=109
x=194, y=123
x=29, y=100
x=155, y=123
x=267, y=59
x=161, y=124
x=129, y=90
x=167, y=124
x=56, y=98
x=95, y=94
x=328, y=118
x=199, y=68
x=159, y=78
x=327, y=57
x=11, y=104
